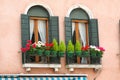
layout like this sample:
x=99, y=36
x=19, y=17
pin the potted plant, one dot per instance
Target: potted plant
x=70, y=49
x=96, y=54
x=85, y=55
x=54, y=48
x=48, y=47
x=40, y=47
x=78, y=50
x=29, y=50
x=70, y=53
x=62, y=49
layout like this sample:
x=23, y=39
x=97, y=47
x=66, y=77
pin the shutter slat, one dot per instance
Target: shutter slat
x=25, y=32
x=68, y=29
x=54, y=28
x=93, y=32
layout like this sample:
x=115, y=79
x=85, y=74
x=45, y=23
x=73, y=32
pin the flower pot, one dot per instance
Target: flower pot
x=78, y=60
x=95, y=60
x=54, y=53
x=55, y=60
x=70, y=58
x=85, y=60
x=70, y=54
x=37, y=58
x=61, y=54
x=40, y=52
x=47, y=54
x=33, y=54
x=78, y=53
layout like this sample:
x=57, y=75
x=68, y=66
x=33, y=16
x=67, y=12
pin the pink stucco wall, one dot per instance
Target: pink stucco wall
x=107, y=12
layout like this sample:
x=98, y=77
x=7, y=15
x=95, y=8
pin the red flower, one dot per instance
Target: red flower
x=46, y=44
x=101, y=48
x=23, y=50
x=85, y=48
x=27, y=45
x=51, y=44
x=29, y=41
x=34, y=45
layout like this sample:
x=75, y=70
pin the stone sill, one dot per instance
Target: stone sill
x=28, y=66
x=83, y=66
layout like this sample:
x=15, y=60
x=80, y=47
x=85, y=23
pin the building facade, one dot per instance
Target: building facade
x=20, y=21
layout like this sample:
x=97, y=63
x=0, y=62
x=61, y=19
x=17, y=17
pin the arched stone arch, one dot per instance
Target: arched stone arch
x=43, y=5
x=86, y=9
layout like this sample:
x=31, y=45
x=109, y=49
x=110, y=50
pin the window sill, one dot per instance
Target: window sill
x=94, y=66
x=28, y=66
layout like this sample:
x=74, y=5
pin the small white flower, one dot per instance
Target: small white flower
x=39, y=44
x=91, y=46
x=97, y=49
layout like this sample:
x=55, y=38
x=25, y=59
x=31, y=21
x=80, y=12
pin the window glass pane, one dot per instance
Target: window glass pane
x=42, y=30
x=31, y=28
x=79, y=32
x=73, y=33
x=82, y=32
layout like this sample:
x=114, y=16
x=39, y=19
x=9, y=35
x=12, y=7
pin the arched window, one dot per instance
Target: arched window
x=38, y=25
x=80, y=27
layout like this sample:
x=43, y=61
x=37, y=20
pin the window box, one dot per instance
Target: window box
x=43, y=59
x=85, y=62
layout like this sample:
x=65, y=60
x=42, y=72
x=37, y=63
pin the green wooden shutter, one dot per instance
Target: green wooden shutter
x=25, y=32
x=53, y=28
x=68, y=29
x=93, y=32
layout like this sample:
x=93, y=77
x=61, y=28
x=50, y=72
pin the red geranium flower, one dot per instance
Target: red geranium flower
x=27, y=45
x=34, y=45
x=29, y=41
x=51, y=44
x=23, y=50
x=101, y=48
x=48, y=45
x=85, y=48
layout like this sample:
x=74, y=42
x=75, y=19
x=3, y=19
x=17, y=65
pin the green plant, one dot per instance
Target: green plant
x=78, y=48
x=96, y=51
x=48, y=48
x=55, y=48
x=55, y=45
x=62, y=48
x=85, y=51
x=29, y=48
x=70, y=49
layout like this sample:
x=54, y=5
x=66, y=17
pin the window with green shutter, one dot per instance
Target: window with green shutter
x=79, y=27
x=38, y=25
